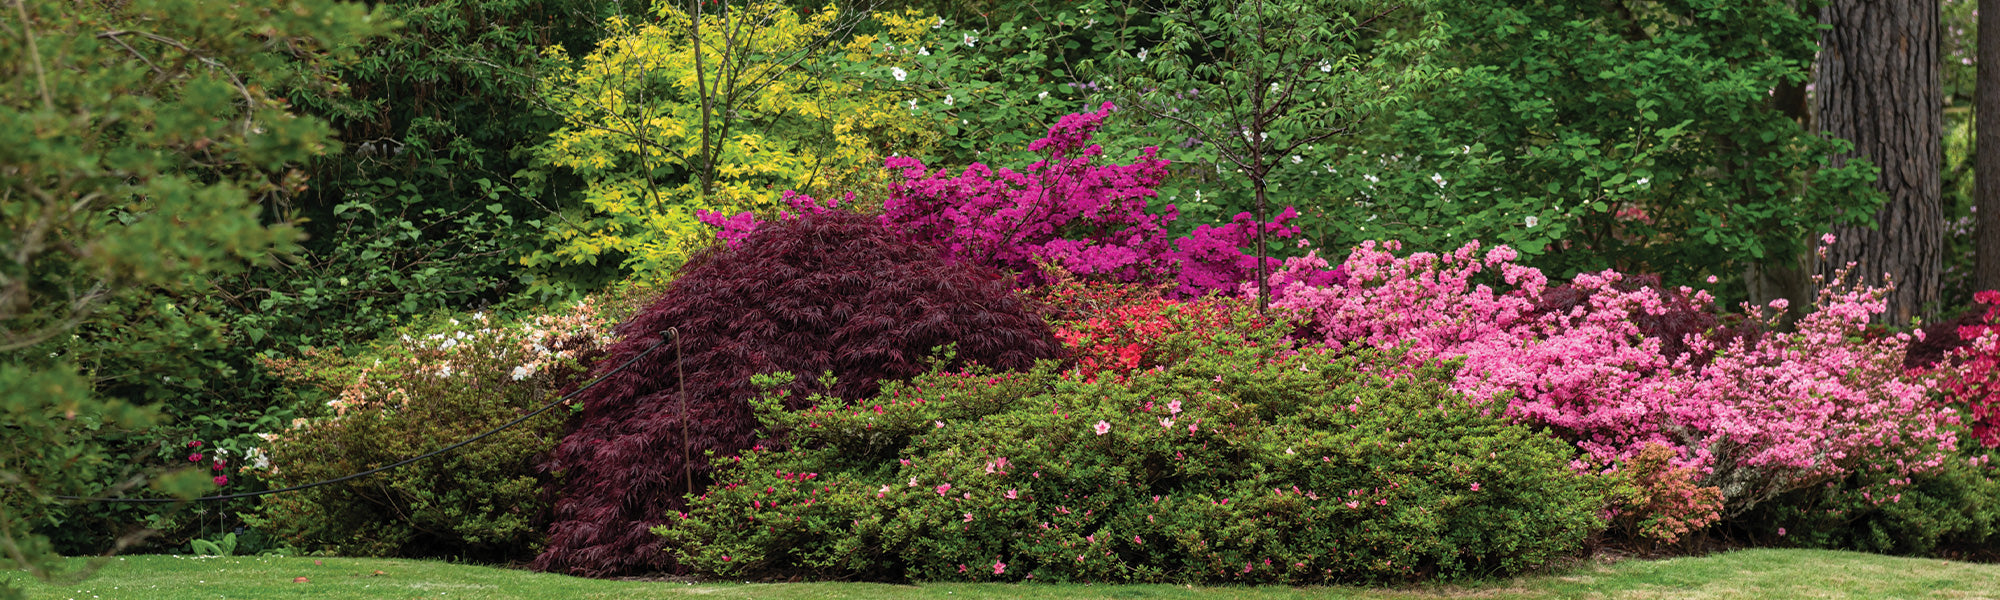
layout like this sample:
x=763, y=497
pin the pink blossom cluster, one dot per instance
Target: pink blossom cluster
x=1973, y=378
x=1088, y=218
x=1765, y=415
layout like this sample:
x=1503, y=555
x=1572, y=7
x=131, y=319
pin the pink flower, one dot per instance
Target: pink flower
x=968, y=517
x=221, y=480
x=1174, y=408
x=1475, y=487
x=1781, y=532
x=1354, y=504
x=942, y=488
x=999, y=567
x=1010, y=495
x=194, y=444
x=1103, y=428
x=1826, y=239
x=196, y=457
x=1166, y=423
x=1138, y=540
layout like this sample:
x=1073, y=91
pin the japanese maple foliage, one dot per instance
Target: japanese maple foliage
x=815, y=293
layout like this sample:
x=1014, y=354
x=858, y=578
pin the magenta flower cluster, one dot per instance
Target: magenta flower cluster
x=1764, y=416
x=1091, y=219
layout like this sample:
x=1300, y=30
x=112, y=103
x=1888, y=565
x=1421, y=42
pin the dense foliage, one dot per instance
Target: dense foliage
x=140, y=141
x=1063, y=211
x=430, y=388
x=660, y=124
x=1238, y=458
x=424, y=210
x=831, y=294
x=1763, y=415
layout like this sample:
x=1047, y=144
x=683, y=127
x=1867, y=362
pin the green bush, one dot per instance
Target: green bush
x=419, y=393
x=1953, y=511
x=1250, y=461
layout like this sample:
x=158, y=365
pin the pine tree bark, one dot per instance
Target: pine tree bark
x=1878, y=87
x=1986, y=149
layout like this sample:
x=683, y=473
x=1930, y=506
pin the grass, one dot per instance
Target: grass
x=1743, y=574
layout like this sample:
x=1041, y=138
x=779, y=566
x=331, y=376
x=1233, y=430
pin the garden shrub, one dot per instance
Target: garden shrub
x=1064, y=210
x=1244, y=459
x=818, y=293
x=1952, y=511
x=1972, y=378
x=1765, y=415
x=416, y=394
x=1664, y=501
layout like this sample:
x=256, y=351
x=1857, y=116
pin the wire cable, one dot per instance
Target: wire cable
x=559, y=401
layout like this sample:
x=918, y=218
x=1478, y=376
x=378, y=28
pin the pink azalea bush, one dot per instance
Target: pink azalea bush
x=1068, y=210
x=1764, y=415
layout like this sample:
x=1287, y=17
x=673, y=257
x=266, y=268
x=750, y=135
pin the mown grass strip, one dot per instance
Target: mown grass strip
x=1749, y=574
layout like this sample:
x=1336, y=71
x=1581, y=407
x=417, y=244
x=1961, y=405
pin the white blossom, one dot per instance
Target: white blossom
x=1532, y=221
x=898, y=72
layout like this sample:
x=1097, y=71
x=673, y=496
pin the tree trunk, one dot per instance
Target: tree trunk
x=1878, y=87
x=1986, y=152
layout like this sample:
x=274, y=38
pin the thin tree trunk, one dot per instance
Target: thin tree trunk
x=1986, y=151
x=1878, y=87
x=705, y=177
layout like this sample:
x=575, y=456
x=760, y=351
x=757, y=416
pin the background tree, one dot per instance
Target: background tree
x=139, y=139
x=1878, y=87
x=1986, y=173
x=1649, y=137
x=1255, y=83
x=776, y=98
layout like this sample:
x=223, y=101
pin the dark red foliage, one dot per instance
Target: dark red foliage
x=1682, y=318
x=832, y=291
x=1940, y=339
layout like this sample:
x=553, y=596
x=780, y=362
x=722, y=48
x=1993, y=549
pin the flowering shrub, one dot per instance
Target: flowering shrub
x=1766, y=414
x=1090, y=219
x=414, y=394
x=1110, y=329
x=1973, y=378
x=1250, y=460
x=828, y=292
x=1665, y=504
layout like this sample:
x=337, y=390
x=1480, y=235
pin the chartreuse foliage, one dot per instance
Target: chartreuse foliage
x=796, y=108
x=1237, y=458
x=139, y=140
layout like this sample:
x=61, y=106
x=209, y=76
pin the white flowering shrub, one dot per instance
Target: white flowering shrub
x=416, y=392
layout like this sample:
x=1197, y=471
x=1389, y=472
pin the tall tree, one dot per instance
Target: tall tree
x=1986, y=153
x=1878, y=87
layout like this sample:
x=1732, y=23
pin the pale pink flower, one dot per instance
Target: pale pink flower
x=1103, y=427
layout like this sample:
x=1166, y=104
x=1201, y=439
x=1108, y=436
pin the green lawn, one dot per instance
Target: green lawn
x=1746, y=574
